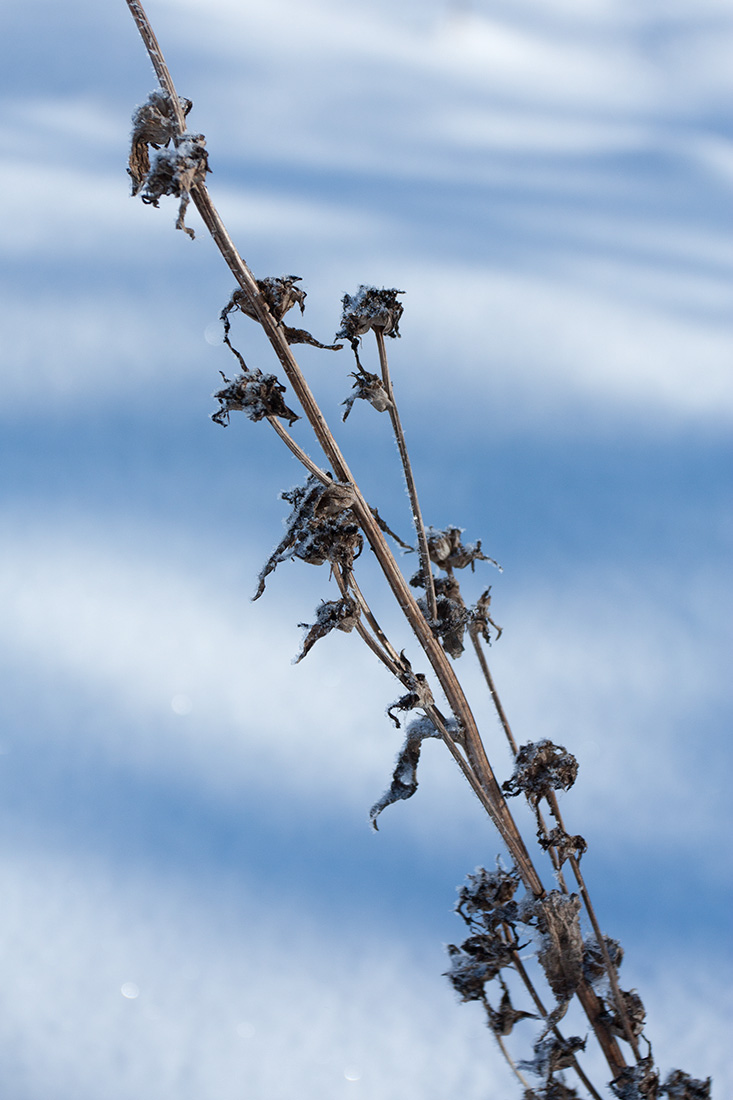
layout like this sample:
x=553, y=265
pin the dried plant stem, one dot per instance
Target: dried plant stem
x=422, y=541
x=467, y=748
x=555, y=810
x=530, y=987
x=600, y=938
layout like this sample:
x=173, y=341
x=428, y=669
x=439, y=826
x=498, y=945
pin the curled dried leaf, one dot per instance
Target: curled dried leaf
x=561, y=953
x=638, y=1082
x=541, y=767
x=331, y=615
x=448, y=552
x=300, y=336
x=680, y=1086
x=404, y=777
x=256, y=394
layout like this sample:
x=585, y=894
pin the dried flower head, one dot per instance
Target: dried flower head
x=485, y=892
x=320, y=528
x=680, y=1086
x=448, y=552
x=370, y=308
x=639, y=1082
x=478, y=960
x=541, y=767
x=256, y=394
x=179, y=162
x=563, y=843
x=153, y=126
x=280, y=294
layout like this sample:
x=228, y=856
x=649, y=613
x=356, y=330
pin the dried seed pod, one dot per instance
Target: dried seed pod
x=370, y=308
x=561, y=954
x=330, y=615
x=552, y=1054
x=481, y=620
x=541, y=767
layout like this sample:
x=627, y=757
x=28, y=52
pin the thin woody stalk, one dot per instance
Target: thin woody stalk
x=422, y=541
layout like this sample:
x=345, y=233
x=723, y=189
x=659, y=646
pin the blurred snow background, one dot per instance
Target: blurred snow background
x=194, y=905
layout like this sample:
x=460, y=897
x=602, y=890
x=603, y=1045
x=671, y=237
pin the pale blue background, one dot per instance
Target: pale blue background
x=182, y=810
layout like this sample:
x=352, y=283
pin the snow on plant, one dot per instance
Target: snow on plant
x=330, y=523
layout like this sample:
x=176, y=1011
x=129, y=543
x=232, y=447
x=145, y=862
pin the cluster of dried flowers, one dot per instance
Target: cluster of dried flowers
x=506, y=910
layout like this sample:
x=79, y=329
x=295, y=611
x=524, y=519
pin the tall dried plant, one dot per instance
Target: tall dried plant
x=507, y=907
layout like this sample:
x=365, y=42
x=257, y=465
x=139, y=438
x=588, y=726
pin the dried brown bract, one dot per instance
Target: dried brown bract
x=481, y=620
x=503, y=1018
x=367, y=387
x=330, y=615
x=316, y=530
x=370, y=308
x=256, y=394
x=541, y=767
x=448, y=552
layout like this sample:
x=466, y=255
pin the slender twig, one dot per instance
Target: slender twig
x=422, y=541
